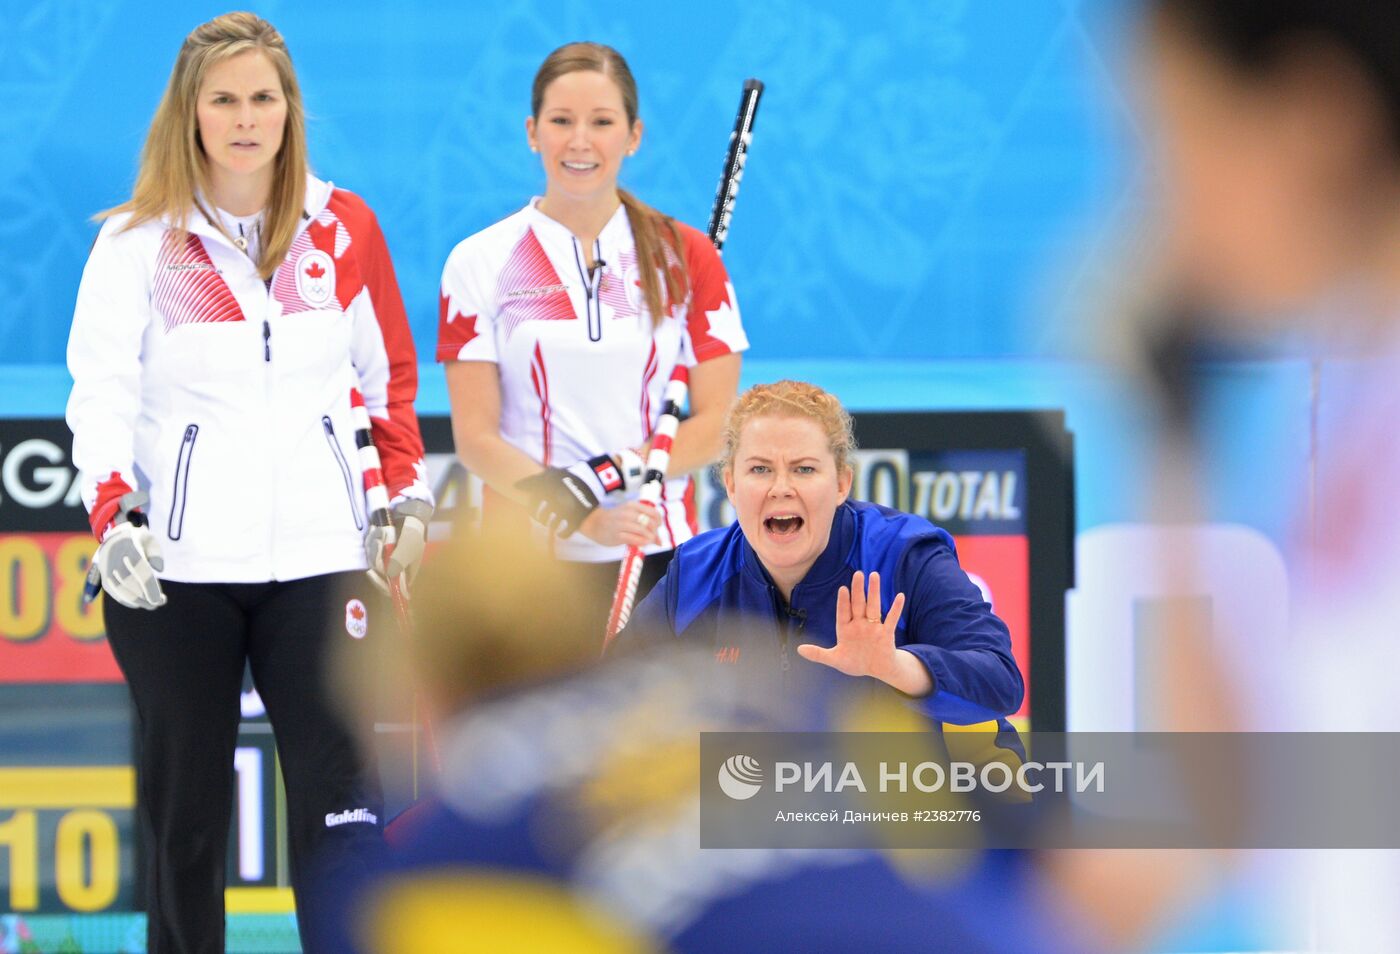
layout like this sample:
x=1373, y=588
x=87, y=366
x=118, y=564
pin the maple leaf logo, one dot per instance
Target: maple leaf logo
x=461, y=329
x=357, y=612
x=315, y=270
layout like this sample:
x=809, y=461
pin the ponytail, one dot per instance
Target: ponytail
x=660, y=257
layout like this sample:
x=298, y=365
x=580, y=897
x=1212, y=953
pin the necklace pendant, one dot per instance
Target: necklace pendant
x=242, y=243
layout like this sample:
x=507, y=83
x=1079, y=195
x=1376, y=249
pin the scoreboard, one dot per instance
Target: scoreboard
x=1000, y=482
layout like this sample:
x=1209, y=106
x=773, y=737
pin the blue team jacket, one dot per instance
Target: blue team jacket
x=717, y=591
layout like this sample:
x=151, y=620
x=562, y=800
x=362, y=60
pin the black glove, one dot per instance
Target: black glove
x=565, y=497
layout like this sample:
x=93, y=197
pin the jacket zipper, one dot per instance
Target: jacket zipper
x=270, y=303
x=344, y=471
x=801, y=617
x=180, y=495
x=268, y=414
x=785, y=617
x=592, y=306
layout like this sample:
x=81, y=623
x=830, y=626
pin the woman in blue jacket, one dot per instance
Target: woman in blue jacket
x=805, y=574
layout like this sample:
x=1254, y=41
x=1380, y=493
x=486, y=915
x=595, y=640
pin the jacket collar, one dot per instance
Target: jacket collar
x=318, y=195
x=830, y=564
x=615, y=232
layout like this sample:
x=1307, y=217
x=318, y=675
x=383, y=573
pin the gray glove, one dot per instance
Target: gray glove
x=407, y=540
x=129, y=558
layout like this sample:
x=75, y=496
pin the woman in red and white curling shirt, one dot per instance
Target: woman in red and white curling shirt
x=225, y=314
x=561, y=324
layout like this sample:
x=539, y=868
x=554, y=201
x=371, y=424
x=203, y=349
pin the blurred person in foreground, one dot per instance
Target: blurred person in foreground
x=1276, y=130
x=569, y=819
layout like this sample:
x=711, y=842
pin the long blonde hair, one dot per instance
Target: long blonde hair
x=174, y=171
x=660, y=255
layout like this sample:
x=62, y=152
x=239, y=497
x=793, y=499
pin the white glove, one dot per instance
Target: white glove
x=128, y=560
x=633, y=469
x=409, y=538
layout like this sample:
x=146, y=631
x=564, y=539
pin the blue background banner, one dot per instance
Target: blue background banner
x=922, y=181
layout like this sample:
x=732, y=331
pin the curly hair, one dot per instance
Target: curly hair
x=791, y=399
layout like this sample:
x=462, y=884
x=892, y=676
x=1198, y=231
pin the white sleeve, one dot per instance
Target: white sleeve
x=104, y=358
x=466, y=315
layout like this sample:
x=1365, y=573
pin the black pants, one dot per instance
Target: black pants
x=184, y=664
x=597, y=583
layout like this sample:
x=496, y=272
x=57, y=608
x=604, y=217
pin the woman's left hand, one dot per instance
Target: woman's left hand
x=632, y=524
x=865, y=642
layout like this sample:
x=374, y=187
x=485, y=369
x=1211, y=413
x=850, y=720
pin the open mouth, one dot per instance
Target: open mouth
x=580, y=166
x=783, y=525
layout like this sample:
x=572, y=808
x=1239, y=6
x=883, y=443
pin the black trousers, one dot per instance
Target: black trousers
x=184, y=664
x=597, y=583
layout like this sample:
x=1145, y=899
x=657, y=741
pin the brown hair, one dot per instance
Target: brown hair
x=665, y=279
x=791, y=399
x=174, y=171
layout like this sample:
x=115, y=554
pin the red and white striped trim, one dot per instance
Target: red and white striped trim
x=648, y=374
x=188, y=289
x=540, y=378
x=376, y=491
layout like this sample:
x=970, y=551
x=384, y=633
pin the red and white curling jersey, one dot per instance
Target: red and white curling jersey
x=228, y=399
x=582, y=368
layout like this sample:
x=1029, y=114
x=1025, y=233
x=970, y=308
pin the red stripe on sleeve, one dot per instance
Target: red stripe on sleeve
x=398, y=439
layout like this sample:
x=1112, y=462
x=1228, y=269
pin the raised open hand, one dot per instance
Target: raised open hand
x=865, y=641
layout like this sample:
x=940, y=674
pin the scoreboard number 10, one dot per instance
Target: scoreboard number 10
x=85, y=844
x=65, y=831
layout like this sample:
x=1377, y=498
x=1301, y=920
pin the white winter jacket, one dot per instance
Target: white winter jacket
x=228, y=399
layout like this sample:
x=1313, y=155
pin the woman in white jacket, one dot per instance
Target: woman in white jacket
x=225, y=315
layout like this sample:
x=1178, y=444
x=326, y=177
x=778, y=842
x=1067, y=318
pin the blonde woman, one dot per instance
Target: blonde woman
x=821, y=578
x=225, y=313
